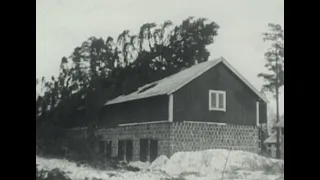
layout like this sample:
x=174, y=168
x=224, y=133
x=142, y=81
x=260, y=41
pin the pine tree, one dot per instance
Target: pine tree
x=275, y=65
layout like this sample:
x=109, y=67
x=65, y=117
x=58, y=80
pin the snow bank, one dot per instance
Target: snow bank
x=81, y=172
x=214, y=161
x=140, y=165
x=202, y=165
x=159, y=163
x=73, y=171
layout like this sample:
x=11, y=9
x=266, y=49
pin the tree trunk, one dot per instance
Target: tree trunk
x=278, y=131
x=277, y=106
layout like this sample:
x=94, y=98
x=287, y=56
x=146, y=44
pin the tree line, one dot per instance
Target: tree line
x=101, y=69
x=104, y=68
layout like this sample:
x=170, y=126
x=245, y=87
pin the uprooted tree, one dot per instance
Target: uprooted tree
x=101, y=69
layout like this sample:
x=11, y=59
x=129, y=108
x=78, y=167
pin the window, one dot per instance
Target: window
x=217, y=100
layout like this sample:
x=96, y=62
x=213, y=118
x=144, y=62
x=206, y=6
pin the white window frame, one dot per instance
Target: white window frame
x=218, y=92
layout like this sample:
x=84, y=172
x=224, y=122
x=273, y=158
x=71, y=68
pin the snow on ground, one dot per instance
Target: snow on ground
x=202, y=165
x=211, y=161
x=81, y=172
x=139, y=164
x=159, y=163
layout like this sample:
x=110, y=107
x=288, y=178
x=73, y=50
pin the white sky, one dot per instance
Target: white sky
x=61, y=25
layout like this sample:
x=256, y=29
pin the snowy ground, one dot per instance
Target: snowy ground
x=202, y=165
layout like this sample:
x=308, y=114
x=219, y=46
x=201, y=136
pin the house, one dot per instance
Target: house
x=272, y=140
x=209, y=105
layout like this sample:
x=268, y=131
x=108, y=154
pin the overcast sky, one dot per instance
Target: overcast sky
x=61, y=25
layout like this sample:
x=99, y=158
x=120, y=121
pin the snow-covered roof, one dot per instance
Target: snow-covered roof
x=174, y=82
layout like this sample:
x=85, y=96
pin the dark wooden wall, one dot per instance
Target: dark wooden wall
x=143, y=110
x=191, y=102
x=263, y=116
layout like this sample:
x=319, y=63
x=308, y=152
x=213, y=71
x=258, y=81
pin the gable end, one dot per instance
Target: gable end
x=232, y=69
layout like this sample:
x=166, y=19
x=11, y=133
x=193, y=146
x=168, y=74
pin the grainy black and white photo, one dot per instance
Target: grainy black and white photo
x=159, y=90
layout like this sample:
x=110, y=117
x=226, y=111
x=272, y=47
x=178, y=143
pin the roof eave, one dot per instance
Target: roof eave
x=262, y=97
x=132, y=99
x=217, y=61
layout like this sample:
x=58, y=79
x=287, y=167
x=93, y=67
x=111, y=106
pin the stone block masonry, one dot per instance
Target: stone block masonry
x=195, y=136
x=154, y=131
x=183, y=136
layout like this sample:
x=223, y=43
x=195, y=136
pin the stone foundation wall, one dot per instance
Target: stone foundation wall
x=184, y=136
x=194, y=136
x=157, y=131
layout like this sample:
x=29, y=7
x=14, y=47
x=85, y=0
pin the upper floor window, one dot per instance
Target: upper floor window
x=217, y=100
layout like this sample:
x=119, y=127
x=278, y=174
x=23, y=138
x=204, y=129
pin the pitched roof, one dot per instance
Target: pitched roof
x=176, y=81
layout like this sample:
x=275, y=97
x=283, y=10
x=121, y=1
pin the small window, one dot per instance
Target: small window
x=217, y=100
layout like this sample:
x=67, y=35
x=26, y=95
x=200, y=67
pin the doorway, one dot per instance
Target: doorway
x=129, y=150
x=108, y=149
x=148, y=148
x=153, y=150
x=125, y=150
x=121, y=150
x=144, y=150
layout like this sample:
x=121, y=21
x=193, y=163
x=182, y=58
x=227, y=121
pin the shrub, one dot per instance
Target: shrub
x=54, y=174
x=77, y=150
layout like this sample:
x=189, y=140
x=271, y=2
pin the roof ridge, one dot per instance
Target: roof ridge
x=214, y=62
x=174, y=82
